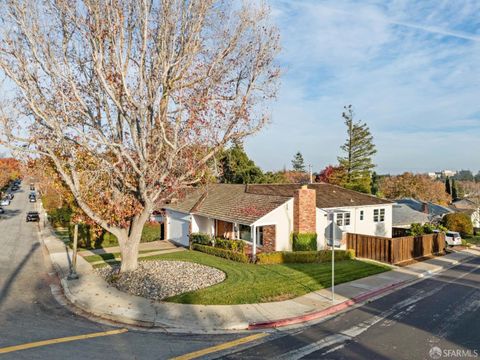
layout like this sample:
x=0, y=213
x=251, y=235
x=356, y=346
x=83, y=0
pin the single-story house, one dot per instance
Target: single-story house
x=265, y=215
x=404, y=216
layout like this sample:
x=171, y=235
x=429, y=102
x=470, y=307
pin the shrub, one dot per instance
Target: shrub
x=285, y=257
x=233, y=245
x=304, y=242
x=417, y=229
x=458, y=222
x=60, y=216
x=200, y=238
x=226, y=254
x=151, y=232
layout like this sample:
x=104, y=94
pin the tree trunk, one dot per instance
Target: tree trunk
x=129, y=253
x=129, y=242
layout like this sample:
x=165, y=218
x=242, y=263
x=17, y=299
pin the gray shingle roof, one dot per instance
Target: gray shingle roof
x=433, y=209
x=403, y=215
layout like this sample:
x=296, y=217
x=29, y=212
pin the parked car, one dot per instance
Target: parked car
x=2, y=211
x=15, y=188
x=33, y=216
x=9, y=196
x=33, y=199
x=32, y=194
x=453, y=238
x=5, y=202
x=32, y=187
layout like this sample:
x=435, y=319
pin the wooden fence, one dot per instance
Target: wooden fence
x=396, y=250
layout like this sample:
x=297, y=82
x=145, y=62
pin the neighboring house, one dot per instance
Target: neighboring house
x=435, y=212
x=266, y=215
x=404, y=216
x=469, y=207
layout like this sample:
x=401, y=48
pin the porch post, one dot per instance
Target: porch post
x=254, y=240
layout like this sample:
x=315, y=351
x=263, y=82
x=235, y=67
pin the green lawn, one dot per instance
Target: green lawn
x=250, y=283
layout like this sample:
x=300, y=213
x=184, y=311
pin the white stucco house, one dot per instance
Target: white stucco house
x=265, y=216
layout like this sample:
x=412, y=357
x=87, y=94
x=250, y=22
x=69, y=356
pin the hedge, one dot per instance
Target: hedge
x=232, y=245
x=89, y=239
x=226, y=254
x=284, y=257
x=304, y=242
x=200, y=238
x=226, y=244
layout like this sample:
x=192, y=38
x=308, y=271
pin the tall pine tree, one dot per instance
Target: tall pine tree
x=298, y=164
x=448, y=189
x=359, y=150
x=454, y=190
x=237, y=167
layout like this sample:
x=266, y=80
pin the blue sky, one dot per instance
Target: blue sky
x=410, y=68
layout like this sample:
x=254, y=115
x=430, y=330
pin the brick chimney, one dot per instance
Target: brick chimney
x=425, y=207
x=304, y=210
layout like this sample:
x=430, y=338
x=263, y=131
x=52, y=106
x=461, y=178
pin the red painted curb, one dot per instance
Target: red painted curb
x=325, y=312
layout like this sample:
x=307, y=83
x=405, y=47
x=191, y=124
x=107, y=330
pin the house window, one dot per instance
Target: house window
x=260, y=235
x=379, y=215
x=361, y=215
x=346, y=219
x=340, y=219
x=245, y=232
x=343, y=219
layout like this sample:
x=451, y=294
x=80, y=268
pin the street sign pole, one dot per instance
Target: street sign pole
x=73, y=268
x=333, y=260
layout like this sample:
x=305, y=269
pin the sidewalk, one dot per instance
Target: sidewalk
x=159, y=245
x=93, y=295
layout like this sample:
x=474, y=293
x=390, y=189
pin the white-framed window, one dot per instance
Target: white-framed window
x=362, y=215
x=378, y=215
x=343, y=219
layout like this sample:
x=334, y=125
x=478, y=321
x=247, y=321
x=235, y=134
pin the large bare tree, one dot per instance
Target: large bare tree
x=131, y=98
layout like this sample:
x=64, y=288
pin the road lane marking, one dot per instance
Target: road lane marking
x=60, y=340
x=224, y=346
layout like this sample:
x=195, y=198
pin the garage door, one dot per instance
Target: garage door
x=178, y=227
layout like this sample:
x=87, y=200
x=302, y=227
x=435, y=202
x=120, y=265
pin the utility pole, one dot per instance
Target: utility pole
x=73, y=267
x=311, y=173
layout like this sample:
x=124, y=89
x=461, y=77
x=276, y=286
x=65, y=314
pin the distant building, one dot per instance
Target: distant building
x=442, y=174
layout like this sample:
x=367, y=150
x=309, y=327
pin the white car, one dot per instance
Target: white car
x=4, y=202
x=453, y=238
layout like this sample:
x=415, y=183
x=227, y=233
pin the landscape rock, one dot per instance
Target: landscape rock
x=161, y=279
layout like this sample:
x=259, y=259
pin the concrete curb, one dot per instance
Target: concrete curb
x=118, y=318
x=362, y=298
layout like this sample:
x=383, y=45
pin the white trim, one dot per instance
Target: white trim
x=258, y=222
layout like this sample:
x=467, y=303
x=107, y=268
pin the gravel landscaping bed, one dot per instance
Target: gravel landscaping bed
x=158, y=280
